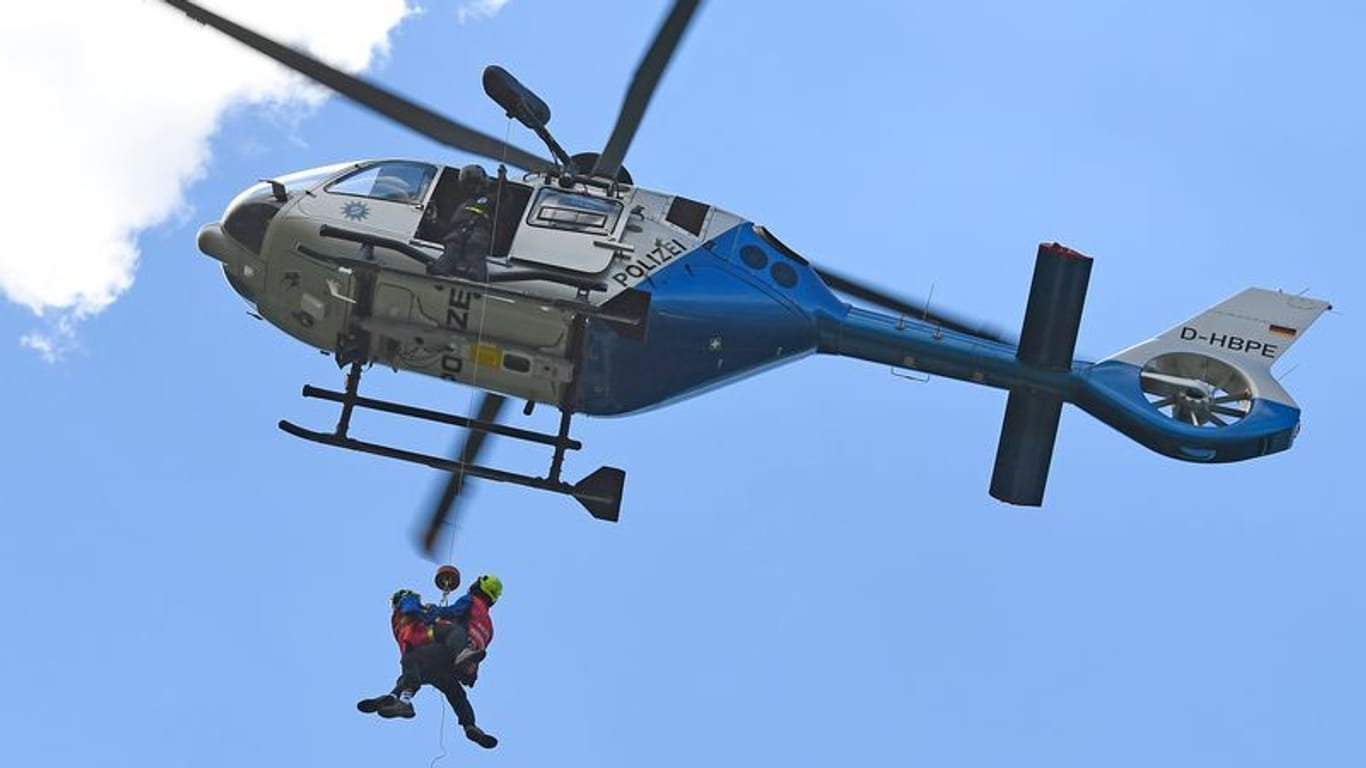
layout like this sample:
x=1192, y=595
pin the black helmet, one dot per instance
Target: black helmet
x=472, y=179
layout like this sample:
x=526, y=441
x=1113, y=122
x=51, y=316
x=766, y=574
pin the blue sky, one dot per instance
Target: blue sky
x=808, y=568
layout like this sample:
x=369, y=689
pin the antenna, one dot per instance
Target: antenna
x=925, y=314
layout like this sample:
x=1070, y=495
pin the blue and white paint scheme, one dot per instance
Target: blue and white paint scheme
x=603, y=298
x=721, y=299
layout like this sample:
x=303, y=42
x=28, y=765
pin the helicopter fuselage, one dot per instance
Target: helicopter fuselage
x=608, y=299
x=604, y=298
x=715, y=297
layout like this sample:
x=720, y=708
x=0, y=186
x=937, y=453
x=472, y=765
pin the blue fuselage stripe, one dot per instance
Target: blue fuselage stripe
x=737, y=306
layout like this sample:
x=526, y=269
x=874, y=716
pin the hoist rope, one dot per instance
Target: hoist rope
x=441, y=733
x=483, y=314
x=474, y=386
x=440, y=740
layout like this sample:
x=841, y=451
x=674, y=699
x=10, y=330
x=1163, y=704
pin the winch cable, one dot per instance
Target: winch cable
x=440, y=739
x=483, y=314
x=474, y=377
x=441, y=732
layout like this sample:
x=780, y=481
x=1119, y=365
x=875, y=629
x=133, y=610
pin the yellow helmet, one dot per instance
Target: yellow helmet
x=491, y=586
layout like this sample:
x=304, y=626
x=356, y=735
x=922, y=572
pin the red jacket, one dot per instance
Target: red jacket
x=480, y=624
x=409, y=622
x=471, y=610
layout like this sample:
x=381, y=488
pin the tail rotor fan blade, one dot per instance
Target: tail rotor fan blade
x=1211, y=398
x=401, y=110
x=490, y=406
x=643, y=86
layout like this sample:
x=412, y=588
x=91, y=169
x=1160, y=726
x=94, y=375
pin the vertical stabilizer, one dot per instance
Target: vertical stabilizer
x=1244, y=334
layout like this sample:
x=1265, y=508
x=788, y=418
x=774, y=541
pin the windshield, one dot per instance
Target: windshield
x=301, y=180
x=295, y=182
x=398, y=180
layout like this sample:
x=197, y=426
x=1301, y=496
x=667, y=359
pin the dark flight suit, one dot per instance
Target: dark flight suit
x=433, y=665
x=466, y=246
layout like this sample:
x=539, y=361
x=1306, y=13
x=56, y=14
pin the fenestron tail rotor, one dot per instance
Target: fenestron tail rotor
x=1196, y=390
x=402, y=110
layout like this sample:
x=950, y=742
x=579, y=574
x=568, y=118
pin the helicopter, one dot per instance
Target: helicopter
x=600, y=297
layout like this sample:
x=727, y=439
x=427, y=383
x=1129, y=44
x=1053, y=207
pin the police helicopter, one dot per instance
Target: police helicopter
x=600, y=297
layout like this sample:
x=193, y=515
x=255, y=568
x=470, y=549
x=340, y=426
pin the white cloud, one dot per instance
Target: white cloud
x=59, y=337
x=41, y=344
x=473, y=10
x=110, y=105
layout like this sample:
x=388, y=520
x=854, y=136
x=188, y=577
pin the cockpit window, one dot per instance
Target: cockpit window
x=402, y=182
x=295, y=182
x=299, y=181
x=559, y=209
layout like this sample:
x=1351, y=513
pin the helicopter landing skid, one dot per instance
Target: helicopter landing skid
x=599, y=492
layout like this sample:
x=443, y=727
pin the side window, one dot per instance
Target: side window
x=559, y=209
x=401, y=182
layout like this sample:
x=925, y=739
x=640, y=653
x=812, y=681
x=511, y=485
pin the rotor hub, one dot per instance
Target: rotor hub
x=1196, y=390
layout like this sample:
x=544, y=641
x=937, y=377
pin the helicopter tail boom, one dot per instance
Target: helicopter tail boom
x=1201, y=391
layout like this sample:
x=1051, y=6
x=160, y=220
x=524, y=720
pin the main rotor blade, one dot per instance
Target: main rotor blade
x=860, y=290
x=649, y=71
x=401, y=110
x=490, y=405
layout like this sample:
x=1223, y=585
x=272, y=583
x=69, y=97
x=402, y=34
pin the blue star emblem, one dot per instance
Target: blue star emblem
x=355, y=210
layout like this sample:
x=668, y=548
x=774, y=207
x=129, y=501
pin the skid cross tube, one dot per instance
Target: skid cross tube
x=599, y=492
x=347, y=400
x=557, y=461
x=435, y=462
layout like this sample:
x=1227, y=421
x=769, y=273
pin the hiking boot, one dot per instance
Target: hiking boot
x=397, y=708
x=374, y=705
x=475, y=734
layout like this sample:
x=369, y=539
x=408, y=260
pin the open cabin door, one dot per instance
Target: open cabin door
x=507, y=202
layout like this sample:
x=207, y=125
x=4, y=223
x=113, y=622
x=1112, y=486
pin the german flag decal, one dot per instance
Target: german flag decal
x=1282, y=330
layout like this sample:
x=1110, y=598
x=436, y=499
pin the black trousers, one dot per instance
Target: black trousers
x=417, y=668
x=434, y=664
x=454, y=636
x=465, y=252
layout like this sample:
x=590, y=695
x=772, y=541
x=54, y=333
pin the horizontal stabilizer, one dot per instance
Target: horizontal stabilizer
x=1053, y=312
x=1047, y=338
x=1026, y=447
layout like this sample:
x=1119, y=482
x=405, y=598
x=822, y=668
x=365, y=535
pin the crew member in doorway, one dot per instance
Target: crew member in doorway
x=467, y=243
